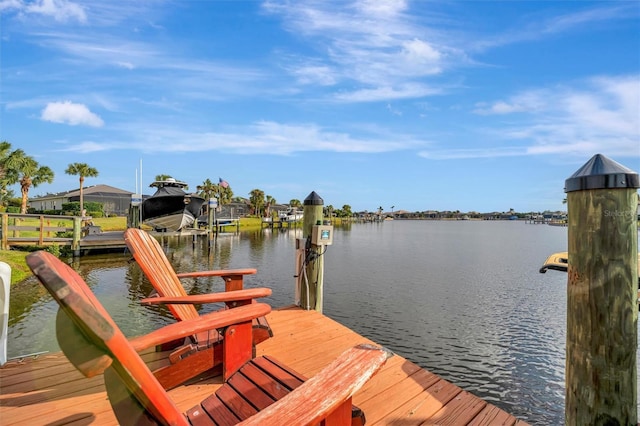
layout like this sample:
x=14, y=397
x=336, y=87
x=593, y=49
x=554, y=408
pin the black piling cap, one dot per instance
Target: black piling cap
x=313, y=199
x=601, y=173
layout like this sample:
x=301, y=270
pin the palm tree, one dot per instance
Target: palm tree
x=5, y=156
x=328, y=211
x=83, y=170
x=163, y=177
x=256, y=201
x=270, y=201
x=6, y=167
x=28, y=173
x=295, y=203
x=224, y=194
x=206, y=189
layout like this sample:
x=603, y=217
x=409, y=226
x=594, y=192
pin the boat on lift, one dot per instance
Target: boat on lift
x=291, y=215
x=170, y=208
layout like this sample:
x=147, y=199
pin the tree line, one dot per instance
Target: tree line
x=16, y=167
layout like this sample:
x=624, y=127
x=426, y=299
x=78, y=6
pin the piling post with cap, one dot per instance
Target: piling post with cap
x=602, y=286
x=311, y=285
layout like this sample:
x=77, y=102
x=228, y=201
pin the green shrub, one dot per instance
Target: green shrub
x=89, y=206
x=54, y=249
x=63, y=234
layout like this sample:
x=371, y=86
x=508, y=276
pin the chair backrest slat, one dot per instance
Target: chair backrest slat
x=158, y=270
x=99, y=330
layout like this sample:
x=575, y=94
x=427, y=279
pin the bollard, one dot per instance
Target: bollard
x=602, y=286
x=5, y=285
x=311, y=284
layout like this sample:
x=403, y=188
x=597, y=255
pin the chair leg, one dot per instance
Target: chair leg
x=340, y=416
x=261, y=330
x=237, y=348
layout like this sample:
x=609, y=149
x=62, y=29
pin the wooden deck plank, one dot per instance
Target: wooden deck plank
x=491, y=415
x=48, y=390
x=461, y=410
x=384, y=404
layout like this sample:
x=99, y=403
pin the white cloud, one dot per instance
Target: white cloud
x=262, y=137
x=600, y=114
x=528, y=101
x=374, y=46
x=87, y=147
x=499, y=107
x=404, y=91
x=382, y=7
x=60, y=10
x=420, y=52
x=127, y=65
x=70, y=113
x=541, y=27
x=7, y=5
x=458, y=154
x=320, y=74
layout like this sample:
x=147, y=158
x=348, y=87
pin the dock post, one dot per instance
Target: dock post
x=77, y=235
x=133, y=216
x=4, y=243
x=311, y=285
x=602, y=286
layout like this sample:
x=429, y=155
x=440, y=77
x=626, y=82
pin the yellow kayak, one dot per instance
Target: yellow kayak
x=560, y=261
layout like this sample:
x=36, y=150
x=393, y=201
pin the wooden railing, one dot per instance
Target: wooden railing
x=34, y=229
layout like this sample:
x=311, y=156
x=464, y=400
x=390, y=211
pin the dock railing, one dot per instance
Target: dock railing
x=40, y=229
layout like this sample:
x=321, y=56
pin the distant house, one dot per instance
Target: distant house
x=114, y=200
x=432, y=214
x=235, y=209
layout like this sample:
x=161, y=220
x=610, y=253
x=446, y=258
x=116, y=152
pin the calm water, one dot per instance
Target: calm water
x=462, y=299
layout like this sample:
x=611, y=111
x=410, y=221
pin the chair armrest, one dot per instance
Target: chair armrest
x=198, y=299
x=319, y=396
x=218, y=273
x=207, y=322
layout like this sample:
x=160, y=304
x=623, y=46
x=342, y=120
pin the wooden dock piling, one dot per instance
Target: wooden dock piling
x=602, y=313
x=311, y=288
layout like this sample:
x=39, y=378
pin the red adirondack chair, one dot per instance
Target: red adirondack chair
x=94, y=344
x=154, y=263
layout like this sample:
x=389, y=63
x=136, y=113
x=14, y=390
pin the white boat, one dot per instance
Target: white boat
x=170, y=208
x=291, y=215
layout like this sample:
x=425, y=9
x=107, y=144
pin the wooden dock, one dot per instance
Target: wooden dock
x=48, y=390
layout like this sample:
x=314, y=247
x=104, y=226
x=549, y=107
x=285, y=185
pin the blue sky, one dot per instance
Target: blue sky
x=424, y=105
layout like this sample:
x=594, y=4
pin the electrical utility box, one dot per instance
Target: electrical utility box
x=322, y=235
